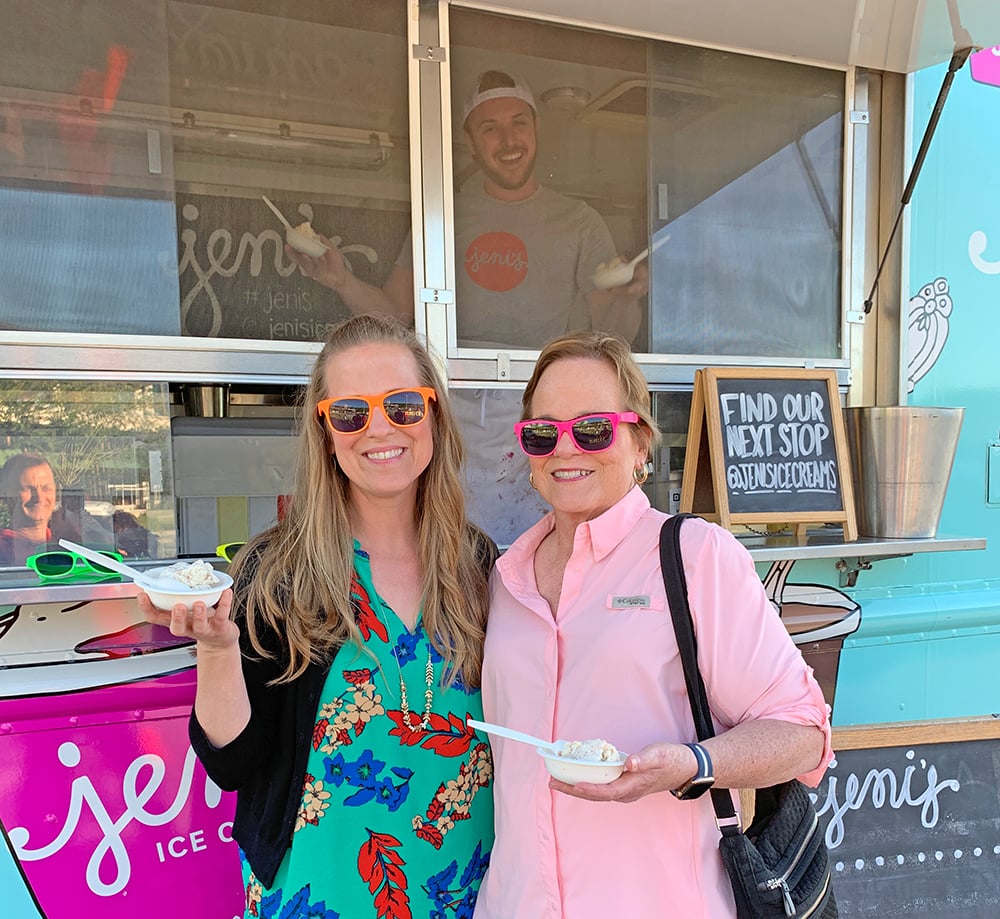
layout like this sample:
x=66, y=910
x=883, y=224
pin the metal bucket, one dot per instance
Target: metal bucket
x=901, y=459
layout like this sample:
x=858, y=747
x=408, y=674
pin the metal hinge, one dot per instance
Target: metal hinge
x=436, y=295
x=431, y=53
x=857, y=117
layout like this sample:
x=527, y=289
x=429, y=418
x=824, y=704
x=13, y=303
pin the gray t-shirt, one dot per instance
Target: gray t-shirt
x=522, y=267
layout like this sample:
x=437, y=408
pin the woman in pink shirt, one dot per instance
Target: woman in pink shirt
x=580, y=644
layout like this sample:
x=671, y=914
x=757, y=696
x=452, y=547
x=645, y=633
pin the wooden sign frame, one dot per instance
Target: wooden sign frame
x=704, y=490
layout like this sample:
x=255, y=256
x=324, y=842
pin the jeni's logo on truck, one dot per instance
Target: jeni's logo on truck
x=107, y=807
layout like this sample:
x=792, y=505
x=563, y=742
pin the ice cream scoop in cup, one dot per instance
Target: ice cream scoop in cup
x=305, y=239
x=302, y=238
x=618, y=272
x=163, y=587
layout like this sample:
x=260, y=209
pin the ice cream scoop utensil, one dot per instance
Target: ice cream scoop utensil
x=554, y=746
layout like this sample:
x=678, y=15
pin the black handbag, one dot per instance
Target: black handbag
x=779, y=867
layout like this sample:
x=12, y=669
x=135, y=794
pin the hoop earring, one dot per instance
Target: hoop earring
x=640, y=473
x=531, y=480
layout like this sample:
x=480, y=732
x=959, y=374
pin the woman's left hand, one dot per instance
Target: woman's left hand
x=658, y=767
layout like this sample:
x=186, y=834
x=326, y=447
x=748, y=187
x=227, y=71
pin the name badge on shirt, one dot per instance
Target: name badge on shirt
x=637, y=602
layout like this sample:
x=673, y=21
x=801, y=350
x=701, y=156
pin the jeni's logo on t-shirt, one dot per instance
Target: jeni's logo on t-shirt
x=497, y=261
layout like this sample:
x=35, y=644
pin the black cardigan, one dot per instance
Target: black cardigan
x=266, y=763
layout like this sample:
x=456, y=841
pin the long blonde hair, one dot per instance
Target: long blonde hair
x=297, y=576
x=614, y=351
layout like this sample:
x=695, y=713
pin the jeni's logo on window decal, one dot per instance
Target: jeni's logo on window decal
x=497, y=261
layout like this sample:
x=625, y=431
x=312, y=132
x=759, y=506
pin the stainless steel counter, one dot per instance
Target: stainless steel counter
x=819, y=544
x=20, y=587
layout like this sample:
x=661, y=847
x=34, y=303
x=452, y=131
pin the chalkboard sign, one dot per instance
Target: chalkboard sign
x=768, y=446
x=914, y=828
x=237, y=282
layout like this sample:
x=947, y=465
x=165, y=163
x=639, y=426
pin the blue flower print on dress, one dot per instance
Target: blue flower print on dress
x=365, y=775
x=406, y=646
x=457, y=901
x=297, y=907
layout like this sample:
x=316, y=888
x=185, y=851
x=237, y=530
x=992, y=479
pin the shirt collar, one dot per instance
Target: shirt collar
x=605, y=533
x=608, y=530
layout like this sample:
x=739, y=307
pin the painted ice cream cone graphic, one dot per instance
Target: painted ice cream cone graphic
x=818, y=617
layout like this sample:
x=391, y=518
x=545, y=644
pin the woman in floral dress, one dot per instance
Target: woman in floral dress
x=335, y=681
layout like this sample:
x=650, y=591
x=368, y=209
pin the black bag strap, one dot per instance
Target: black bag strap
x=675, y=583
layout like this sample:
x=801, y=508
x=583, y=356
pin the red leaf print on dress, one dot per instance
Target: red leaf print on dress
x=445, y=736
x=431, y=834
x=436, y=808
x=364, y=615
x=319, y=732
x=380, y=866
x=357, y=677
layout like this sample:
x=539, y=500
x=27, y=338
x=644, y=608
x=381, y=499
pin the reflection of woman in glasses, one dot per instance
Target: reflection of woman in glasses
x=334, y=698
x=28, y=487
x=581, y=645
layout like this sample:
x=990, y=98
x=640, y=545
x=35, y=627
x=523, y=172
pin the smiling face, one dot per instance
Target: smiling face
x=35, y=499
x=383, y=462
x=502, y=137
x=581, y=485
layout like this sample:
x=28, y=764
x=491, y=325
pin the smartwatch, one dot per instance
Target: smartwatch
x=702, y=780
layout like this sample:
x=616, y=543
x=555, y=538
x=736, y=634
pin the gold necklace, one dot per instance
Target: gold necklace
x=404, y=706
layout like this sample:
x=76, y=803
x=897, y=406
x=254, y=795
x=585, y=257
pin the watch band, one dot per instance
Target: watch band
x=702, y=780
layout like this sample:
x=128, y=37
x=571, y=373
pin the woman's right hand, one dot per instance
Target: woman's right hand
x=211, y=631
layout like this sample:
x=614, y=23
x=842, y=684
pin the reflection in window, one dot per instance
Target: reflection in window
x=308, y=108
x=136, y=141
x=88, y=241
x=746, y=162
x=89, y=462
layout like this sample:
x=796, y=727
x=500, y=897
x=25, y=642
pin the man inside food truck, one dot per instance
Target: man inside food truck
x=527, y=254
x=28, y=489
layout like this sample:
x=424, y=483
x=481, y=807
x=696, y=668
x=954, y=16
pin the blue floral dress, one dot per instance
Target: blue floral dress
x=393, y=823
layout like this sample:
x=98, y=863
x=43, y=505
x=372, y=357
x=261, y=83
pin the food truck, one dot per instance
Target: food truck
x=772, y=168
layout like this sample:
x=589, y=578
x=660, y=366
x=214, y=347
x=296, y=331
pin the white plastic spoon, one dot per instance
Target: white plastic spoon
x=143, y=580
x=553, y=746
x=618, y=273
x=277, y=213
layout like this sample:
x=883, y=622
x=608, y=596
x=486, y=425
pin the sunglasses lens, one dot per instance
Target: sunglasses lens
x=405, y=408
x=594, y=434
x=348, y=416
x=539, y=438
x=228, y=550
x=100, y=568
x=51, y=564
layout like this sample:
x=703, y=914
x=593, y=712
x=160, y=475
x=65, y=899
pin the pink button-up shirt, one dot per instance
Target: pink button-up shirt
x=607, y=665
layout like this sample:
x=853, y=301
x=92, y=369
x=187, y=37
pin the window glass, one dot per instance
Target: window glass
x=746, y=165
x=85, y=461
x=87, y=237
x=137, y=141
x=727, y=167
x=544, y=195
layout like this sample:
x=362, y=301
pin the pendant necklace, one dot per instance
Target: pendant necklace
x=404, y=704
